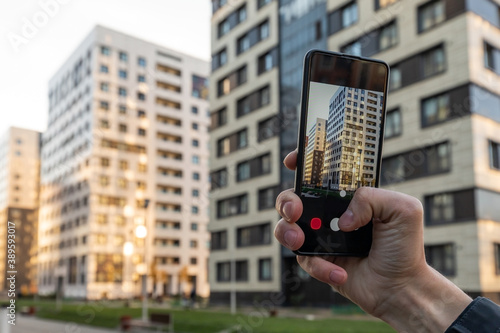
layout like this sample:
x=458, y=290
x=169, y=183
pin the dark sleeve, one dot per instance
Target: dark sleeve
x=482, y=315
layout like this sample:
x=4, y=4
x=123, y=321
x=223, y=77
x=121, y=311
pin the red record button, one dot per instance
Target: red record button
x=315, y=223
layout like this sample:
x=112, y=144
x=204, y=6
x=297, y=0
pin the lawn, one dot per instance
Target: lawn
x=107, y=314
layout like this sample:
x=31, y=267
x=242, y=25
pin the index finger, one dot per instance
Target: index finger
x=290, y=160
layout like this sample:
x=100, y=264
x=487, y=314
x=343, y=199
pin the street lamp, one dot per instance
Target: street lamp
x=141, y=232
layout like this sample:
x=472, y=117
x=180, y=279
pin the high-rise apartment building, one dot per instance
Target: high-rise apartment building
x=315, y=153
x=126, y=146
x=19, y=190
x=442, y=129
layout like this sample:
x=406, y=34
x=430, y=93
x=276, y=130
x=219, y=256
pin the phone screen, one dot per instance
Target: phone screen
x=340, y=141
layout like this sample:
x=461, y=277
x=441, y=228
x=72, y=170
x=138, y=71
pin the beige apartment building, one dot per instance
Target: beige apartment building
x=442, y=131
x=126, y=146
x=19, y=190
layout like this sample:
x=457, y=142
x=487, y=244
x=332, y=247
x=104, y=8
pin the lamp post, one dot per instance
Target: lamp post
x=141, y=232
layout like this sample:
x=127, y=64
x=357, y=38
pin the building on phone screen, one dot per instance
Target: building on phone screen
x=354, y=123
x=315, y=152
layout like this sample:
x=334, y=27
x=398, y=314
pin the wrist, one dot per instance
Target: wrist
x=428, y=302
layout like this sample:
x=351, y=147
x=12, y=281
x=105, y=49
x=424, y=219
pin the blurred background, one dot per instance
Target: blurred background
x=141, y=149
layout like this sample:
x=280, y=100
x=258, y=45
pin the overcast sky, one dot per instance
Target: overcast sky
x=35, y=42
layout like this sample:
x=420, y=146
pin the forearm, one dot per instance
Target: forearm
x=429, y=303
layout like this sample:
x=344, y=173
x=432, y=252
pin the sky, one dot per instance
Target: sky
x=37, y=36
x=319, y=101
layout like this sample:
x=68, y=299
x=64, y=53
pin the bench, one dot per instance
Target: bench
x=158, y=322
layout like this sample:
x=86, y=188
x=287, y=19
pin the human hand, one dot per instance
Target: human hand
x=394, y=272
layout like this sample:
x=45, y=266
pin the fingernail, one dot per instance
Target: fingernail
x=287, y=211
x=290, y=238
x=336, y=276
x=347, y=218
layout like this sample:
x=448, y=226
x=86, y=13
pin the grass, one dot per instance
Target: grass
x=107, y=315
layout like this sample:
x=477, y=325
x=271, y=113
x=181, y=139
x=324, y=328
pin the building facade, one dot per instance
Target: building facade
x=442, y=125
x=315, y=153
x=19, y=199
x=125, y=146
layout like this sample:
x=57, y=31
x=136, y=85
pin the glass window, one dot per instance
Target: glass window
x=194, y=110
x=494, y=149
x=491, y=57
x=242, y=270
x=141, y=96
x=265, y=269
x=141, y=78
x=196, y=176
x=435, y=109
x=105, y=50
x=433, y=61
x=223, y=271
x=123, y=56
x=122, y=74
x=264, y=30
x=496, y=248
x=243, y=171
x=122, y=92
x=430, y=15
x=195, y=143
x=141, y=62
x=441, y=258
x=104, y=69
x=349, y=15
x=218, y=240
x=104, y=86
x=393, y=124
x=388, y=36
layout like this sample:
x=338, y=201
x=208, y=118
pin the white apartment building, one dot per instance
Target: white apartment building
x=127, y=125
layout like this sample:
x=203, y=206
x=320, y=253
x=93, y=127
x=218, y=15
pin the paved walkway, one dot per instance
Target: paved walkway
x=35, y=325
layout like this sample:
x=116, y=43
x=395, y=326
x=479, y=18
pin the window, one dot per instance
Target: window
x=262, y=3
x=141, y=62
x=254, y=235
x=104, y=69
x=218, y=179
x=232, y=206
x=194, y=110
x=496, y=248
x=122, y=74
x=494, y=149
x=268, y=128
x=218, y=118
x=104, y=86
x=104, y=180
x=141, y=78
x=141, y=131
x=433, y=62
x=219, y=59
x=491, y=57
x=104, y=105
x=122, y=128
x=193, y=261
x=265, y=269
x=255, y=167
x=141, y=114
x=122, y=92
x=445, y=106
x=195, y=159
x=123, y=165
x=232, y=21
x=242, y=270
x=380, y=39
x=418, y=67
x=418, y=163
x=383, y=3
x=393, y=125
x=195, y=193
x=267, y=197
x=232, y=81
x=252, y=37
x=267, y=61
x=450, y=207
x=104, y=162
x=141, y=96
x=122, y=109
x=105, y=51
x=441, y=258
x=342, y=18
x=218, y=240
x=123, y=56
x=194, y=126
x=195, y=143
x=223, y=271
x=232, y=143
x=194, y=226
x=430, y=14
x=196, y=176
x=253, y=101
x=199, y=87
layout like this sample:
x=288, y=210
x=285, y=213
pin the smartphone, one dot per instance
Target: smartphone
x=340, y=147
